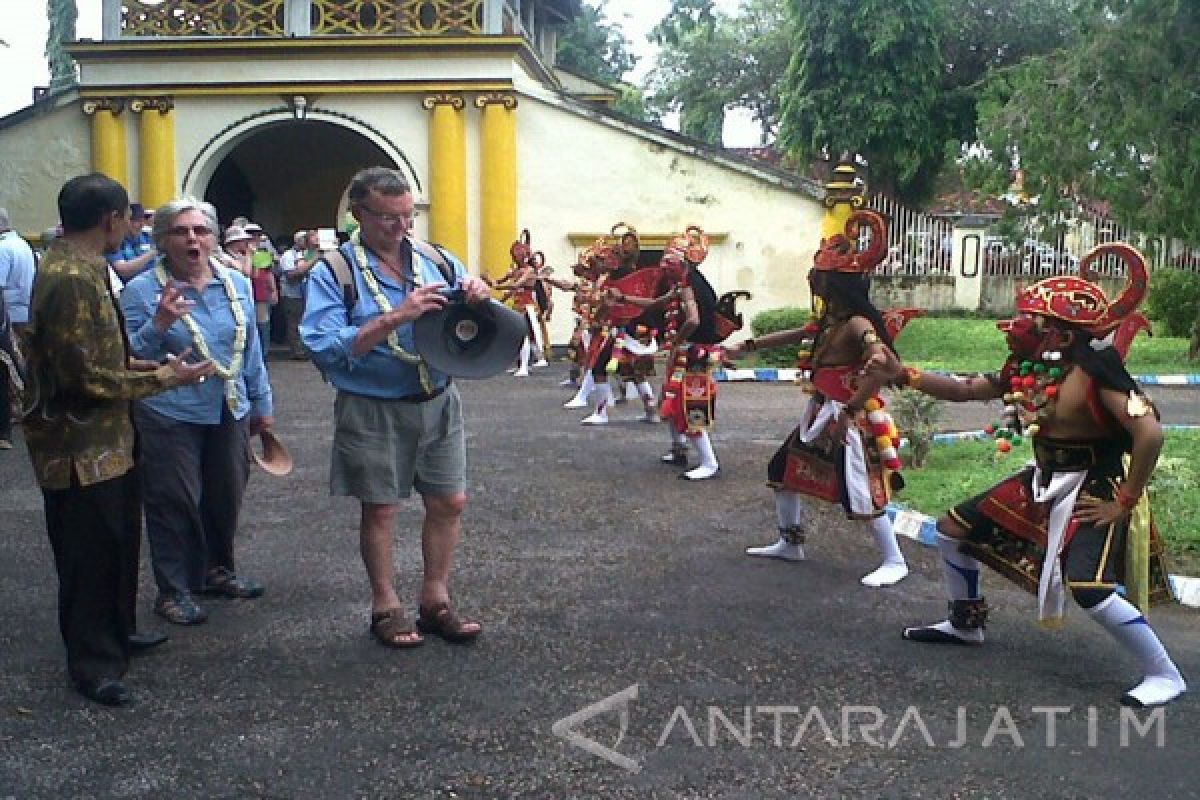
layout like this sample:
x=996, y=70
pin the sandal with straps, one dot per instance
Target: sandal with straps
x=391, y=629
x=442, y=620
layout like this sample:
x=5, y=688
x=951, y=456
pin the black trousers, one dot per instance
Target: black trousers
x=95, y=532
x=5, y=404
x=194, y=480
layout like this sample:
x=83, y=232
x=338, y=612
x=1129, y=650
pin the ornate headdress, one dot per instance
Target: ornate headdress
x=692, y=245
x=522, y=249
x=627, y=244
x=1083, y=303
x=840, y=252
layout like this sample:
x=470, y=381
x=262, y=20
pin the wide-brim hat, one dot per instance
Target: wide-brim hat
x=275, y=458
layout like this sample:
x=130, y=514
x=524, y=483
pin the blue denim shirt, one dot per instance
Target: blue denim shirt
x=328, y=329
x=130, y=248
x=199, y=403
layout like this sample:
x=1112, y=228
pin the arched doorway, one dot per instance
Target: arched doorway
x=289, y=175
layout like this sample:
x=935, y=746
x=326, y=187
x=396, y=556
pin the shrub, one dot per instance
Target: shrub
x=1174, y=301
x=779, y=319
x=917, y=416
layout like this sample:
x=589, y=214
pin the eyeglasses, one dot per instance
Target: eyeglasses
x=388, y=219
x=184, y=230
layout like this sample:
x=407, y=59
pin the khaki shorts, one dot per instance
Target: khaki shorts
x=383, y=449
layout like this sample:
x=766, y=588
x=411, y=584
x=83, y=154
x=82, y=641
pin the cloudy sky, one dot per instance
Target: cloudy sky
x=24, y=66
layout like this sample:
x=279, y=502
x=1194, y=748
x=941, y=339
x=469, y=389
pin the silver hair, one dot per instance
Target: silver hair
x=164, y=217
x=5, y=223
x=299, y=236
x=384, y=180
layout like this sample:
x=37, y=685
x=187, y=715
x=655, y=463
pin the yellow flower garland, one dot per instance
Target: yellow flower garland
x=385, y=305
x=228, y=374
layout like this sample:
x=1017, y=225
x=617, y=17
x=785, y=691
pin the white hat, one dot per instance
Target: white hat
x=235, y=234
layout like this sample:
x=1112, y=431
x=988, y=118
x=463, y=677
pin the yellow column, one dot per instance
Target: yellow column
x=110, y=154
x=498, y=181
x=156, y=163
x=448, y=173
x=842, y=196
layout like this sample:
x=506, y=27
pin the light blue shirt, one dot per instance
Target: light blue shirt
x=199, y=403
x=17, y=267
x=328, y=329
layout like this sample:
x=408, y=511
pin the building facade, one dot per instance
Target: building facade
x=267, y=107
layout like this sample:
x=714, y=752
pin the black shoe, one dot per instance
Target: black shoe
x=221, y=581
x=141, y=642
x=106, y=692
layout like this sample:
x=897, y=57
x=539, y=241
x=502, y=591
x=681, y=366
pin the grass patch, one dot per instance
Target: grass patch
x=960, y=470
x=974, y=345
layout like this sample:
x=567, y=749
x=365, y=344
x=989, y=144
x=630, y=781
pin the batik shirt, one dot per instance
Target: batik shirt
x=79, y=385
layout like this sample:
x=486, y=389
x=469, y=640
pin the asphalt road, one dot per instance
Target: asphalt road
x=594, y=571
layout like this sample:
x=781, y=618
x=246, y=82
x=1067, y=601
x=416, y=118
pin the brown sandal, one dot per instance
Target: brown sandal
x=442, y=620
x=391, y=629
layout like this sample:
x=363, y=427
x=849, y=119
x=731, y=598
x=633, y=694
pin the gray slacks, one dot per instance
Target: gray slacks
x=194, y=477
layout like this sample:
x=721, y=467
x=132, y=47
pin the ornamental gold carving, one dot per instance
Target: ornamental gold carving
x=506, y=99
x=455, y=101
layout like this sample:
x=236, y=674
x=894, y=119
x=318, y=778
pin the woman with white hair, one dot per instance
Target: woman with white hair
x=194, y=438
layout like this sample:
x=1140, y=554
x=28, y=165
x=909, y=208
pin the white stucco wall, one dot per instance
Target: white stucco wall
x=37, y=155
x=579, y=175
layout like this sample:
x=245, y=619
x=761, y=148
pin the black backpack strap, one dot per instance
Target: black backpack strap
x=437, y=255
x=344, y=273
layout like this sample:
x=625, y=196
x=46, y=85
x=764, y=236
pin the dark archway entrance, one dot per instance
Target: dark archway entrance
x=290, y=175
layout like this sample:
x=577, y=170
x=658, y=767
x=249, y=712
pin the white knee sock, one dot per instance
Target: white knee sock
x=646, y=392
x=893, y=569
x=580, y=400
x=959, y=570
x=791, y=513
x=790, y=510
x=523, y=368
x=708, y=459
x=960, y=575
x=1162, y=682
x=604, y=396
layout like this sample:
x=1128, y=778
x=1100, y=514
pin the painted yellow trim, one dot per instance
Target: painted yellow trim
x=497, y=187
x=255, y=89
x=650, y=241
x=174, y=46
x=110, y=150
x=448, y=178
x=157, y=167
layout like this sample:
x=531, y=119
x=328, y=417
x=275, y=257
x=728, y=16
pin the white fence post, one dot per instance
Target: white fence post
x=967, y=261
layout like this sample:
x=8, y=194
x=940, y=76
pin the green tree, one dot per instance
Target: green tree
x=864, y=79
x=710, y=62
x=594, y=47
x=62, y=15
x=598, y=49
x=981, y=36
x=693, y=43
x=1112, y=118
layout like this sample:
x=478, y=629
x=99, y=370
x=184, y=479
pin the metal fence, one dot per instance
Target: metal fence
x=922, y=245
x=918, y=244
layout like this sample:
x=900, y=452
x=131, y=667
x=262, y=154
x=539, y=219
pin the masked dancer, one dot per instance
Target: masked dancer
x=844, y=449
x=1078, y=519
